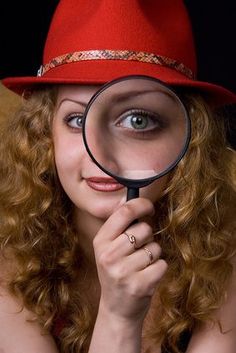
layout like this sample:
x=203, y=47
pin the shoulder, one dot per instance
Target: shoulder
x=213, y=338
x=18, y=322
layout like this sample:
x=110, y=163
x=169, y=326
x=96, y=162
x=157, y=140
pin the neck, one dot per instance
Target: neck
x=87, y=227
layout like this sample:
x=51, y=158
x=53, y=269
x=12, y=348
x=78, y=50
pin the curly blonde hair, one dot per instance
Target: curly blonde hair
x=195, y=227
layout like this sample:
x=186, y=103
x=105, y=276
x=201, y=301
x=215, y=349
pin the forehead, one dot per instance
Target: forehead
x=83, y=92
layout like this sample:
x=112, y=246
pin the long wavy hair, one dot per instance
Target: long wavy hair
x=195, y=227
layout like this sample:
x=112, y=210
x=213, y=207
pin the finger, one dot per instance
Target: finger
x=122, y=246
x=150, y=277
x=124, y=216
x=143, y=257
x=139, y=235
x=133, y=238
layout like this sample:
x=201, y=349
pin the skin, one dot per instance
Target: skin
x=125, y=283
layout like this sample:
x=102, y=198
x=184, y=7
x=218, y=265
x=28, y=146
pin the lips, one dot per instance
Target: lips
x=104, y=184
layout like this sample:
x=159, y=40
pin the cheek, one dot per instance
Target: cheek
x=64, y=162
x=67, y=151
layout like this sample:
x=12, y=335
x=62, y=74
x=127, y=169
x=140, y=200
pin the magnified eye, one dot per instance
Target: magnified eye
x=75, y=121
x=140, y=120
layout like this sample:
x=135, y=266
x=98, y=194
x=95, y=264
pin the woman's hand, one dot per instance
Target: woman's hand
x=128, y=272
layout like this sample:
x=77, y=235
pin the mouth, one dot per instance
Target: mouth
x=104, y=184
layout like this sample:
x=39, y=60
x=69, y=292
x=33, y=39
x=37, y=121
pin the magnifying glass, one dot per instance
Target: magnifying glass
x=136, y=129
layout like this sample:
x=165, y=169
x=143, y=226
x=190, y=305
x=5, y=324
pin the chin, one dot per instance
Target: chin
x=101, y=207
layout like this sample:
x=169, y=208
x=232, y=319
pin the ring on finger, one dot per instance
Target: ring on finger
x=131, y=238
x=150, y=255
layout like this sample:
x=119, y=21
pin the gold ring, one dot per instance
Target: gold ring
x=131, y=238
x=150, y=256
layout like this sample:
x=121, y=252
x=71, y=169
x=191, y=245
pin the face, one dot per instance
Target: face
x=89, y=188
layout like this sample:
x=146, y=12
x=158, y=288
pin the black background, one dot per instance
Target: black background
x=24, y=26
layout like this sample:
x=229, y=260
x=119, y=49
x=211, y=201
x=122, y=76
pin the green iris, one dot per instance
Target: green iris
x=139, y=122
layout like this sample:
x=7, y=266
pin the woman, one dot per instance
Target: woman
x=78, y=274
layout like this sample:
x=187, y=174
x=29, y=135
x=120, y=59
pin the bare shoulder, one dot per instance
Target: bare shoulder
x=17, y=333
x=209, y=338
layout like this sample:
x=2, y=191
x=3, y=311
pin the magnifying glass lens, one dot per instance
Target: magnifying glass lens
x=136, y=128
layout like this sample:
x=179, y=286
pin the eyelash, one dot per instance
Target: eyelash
x=154, y=117
x=68, y=118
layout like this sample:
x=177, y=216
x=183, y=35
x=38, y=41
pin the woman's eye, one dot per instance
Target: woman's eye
x=139, y=120
x=75, y=121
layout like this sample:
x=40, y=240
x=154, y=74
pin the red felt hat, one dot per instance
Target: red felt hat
x=95, y=41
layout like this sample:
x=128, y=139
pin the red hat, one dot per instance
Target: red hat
x=95, y=41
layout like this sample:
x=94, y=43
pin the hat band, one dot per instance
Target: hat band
x=125, y=55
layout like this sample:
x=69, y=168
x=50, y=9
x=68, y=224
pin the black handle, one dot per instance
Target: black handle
x=133, y=193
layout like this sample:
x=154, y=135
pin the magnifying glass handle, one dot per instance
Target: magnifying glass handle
x=132, y=193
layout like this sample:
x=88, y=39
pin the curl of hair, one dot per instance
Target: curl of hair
x=36, y=219
x=195, y=227
x=196, y=230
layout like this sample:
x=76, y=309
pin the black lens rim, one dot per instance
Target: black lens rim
x=136, y=183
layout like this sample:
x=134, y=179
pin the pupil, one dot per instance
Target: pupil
x=139, y=122
x=79, y=121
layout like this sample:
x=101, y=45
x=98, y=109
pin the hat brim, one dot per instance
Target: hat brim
x=94, y=72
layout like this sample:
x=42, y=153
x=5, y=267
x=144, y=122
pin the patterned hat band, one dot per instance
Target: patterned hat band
x=125, y=55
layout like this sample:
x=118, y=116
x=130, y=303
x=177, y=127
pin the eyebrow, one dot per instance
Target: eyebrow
x=71, y=100
x=122, y=97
